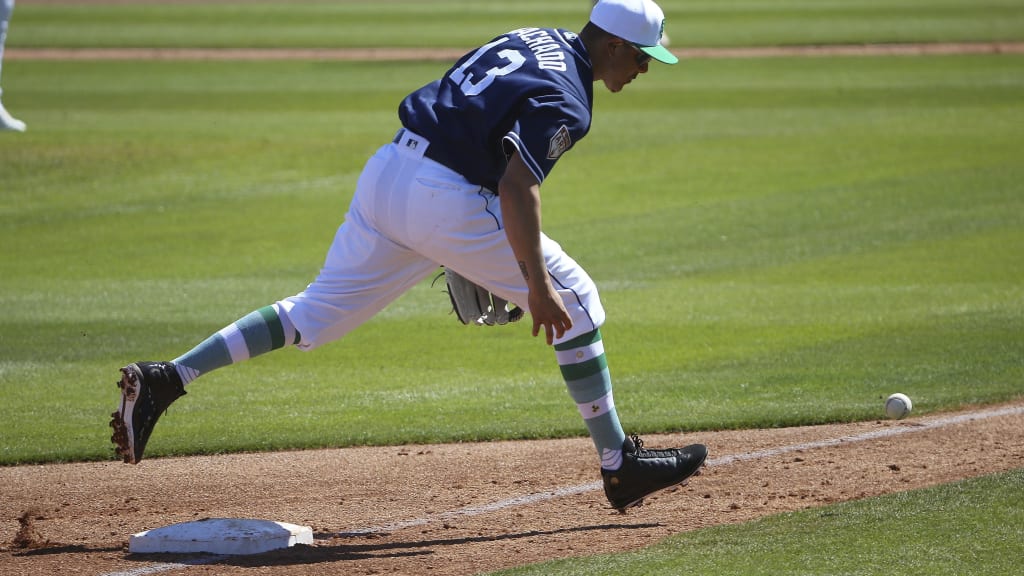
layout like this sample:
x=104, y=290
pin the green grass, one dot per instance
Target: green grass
x=465, y=23
x=778, y=242
x=971, y=527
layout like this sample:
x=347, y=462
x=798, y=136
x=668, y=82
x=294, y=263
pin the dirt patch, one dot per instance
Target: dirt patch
x=28, y=536
x=458, y=509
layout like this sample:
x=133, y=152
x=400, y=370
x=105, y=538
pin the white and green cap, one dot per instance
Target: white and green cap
x=639, y=22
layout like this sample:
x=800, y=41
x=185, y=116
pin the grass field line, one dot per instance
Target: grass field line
x=451, y=54
x=536, y=498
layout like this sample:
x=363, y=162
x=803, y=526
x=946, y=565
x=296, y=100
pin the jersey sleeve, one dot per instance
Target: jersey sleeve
x=548, y=126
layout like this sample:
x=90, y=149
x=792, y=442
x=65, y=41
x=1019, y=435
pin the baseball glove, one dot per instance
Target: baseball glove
x=475, y=305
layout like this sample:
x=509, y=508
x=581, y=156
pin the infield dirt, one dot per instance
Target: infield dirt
x=451, y=509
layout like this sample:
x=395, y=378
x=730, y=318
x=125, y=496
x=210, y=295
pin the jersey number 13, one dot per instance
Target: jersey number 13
x=471, y=84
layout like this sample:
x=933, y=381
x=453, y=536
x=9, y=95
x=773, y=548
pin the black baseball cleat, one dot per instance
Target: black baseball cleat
x=147, y=389
x=645, y=472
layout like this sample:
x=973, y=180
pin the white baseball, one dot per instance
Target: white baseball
x=898, y=406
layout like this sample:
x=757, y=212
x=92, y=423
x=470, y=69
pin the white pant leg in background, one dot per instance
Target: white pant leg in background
x=6, y=9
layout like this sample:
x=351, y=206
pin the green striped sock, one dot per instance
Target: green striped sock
x=585, y=370
x=256, y=333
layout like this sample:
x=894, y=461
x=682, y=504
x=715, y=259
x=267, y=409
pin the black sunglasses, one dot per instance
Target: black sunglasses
x=641, y=56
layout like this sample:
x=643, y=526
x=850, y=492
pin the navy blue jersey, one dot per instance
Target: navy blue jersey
x=530, y=90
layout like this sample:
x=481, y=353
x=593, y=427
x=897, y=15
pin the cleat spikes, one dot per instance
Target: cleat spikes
x=147, y=389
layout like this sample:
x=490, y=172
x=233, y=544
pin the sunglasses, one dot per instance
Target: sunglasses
x=642, y=57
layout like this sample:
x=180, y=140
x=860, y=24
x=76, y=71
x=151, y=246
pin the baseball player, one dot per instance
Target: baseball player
x=459, y=186
x=7, y=122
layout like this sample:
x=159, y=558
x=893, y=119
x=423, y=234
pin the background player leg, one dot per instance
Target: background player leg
x=7, y=122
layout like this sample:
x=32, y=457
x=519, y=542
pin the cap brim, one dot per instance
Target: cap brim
x=660, y=53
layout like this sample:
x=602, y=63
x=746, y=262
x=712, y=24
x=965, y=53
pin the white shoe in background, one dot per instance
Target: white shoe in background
x=8, y=122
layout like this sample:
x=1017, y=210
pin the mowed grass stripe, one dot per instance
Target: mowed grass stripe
x=466, y=23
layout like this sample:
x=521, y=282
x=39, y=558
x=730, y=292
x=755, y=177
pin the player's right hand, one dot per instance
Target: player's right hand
x=548, y=311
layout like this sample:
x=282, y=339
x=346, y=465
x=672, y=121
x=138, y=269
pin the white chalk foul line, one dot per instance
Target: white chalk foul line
x=525, y=500
x=529, y=499
x=157, y=568
x=722, y=461
x=873, y=435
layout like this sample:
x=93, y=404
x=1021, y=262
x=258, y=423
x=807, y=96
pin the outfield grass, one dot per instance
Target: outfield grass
x=972, y=527
x=466, y=23
x=778, y=242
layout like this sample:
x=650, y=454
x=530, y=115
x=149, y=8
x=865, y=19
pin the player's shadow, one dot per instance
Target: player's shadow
x=51, y=548
x=332, y=548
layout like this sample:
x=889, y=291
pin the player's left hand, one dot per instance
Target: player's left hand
x=474, y=304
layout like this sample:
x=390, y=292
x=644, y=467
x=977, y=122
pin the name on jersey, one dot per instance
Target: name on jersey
x=547, y=50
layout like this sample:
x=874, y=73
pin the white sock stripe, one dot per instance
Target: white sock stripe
x=186, y=373
x=611, y=459
x=578, y=355
x=235, y=342
x=598, y=407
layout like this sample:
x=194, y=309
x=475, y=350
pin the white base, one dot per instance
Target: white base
x=229, y=536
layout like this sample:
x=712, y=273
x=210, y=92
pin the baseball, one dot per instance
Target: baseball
x=898, y=406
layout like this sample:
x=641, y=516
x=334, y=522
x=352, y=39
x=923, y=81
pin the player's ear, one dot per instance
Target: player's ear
x=614, y=46
x=611, y=45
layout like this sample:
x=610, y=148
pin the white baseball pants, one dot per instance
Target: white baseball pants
x=408, y=216
x=6, y=9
